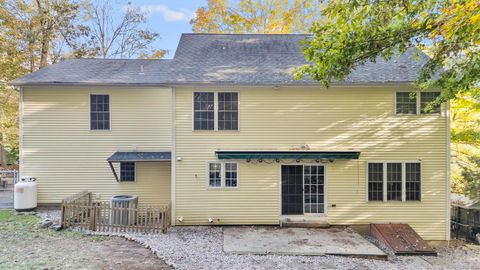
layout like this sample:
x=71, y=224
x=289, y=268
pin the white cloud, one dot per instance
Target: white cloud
x=168, y=14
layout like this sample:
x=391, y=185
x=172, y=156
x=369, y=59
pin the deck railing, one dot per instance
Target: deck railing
x=82, y=212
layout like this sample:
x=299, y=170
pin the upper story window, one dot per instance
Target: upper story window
x=222, y=174
x=406, y=103
x=215, y=111
x=228, y=111
x=204, y=111
x=127, y=171
x=415, y=102
x=394, y=181
x=99, y=112
x=425, y=99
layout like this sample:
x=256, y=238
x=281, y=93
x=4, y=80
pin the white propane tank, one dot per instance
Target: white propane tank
x=25, y=194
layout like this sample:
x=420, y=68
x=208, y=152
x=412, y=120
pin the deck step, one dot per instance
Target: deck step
x=304, y=222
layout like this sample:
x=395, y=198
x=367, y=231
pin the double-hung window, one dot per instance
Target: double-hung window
x=222, y=174
x=127, y=171
x=416, y=102
x=204, y=111
x=394, y=181
x=215, y=111
x=99, y=112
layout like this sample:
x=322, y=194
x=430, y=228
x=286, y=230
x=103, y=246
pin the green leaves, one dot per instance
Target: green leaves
x=358, y=31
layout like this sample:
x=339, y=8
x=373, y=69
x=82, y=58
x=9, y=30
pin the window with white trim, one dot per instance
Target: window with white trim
x=99, y=112
x=406, y=103
x=215, y=111
x=412, y=181
x=416, y=102
x=425, y=99
x=203, y=111
x=394, y=181
x=228, y=111
x=127, y=171
x=375, y=181
x=223, y=174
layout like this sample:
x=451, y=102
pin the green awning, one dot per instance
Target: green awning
x=295, y=155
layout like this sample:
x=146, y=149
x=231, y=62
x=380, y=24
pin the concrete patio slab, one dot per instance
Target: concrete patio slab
x=298, y=241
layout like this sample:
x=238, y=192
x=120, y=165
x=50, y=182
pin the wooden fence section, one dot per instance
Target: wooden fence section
x=80, y=211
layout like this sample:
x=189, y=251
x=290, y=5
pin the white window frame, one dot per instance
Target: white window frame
x=222, y=174
x=404, y=182
x=215, y=111
x=90, y=112
x=120, y=172
x=418, y=110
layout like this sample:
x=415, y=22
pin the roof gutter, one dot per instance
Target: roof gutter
x=176, y=84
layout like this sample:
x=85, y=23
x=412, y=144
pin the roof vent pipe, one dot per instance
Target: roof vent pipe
x=141, y=70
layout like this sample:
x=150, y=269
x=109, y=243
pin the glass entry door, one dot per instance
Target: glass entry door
x=314, y=189
x=303, y=189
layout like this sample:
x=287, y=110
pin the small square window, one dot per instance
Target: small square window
x=425, y=99
x=127, y=171
x=222, y=174
x=406, y=103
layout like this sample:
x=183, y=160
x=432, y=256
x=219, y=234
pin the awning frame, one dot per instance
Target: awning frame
x=134, y=156
x=285, y=154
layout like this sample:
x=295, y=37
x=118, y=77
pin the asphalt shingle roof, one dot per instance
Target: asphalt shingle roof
x=251, y=59
x=100, y=71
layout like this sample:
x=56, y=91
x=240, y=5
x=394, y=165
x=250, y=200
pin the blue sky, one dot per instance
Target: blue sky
x=170, y=19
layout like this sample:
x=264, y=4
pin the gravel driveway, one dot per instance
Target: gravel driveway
x=202, y=248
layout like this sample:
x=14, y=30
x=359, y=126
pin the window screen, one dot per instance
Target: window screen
x=127, y=171
x=204, y=111
x=412, y=181
x=406, y=103
x=99, y=112
x=228, y=111
x=215, y=175
x=375, y=181
x=426, y=98
x=394, y=181
x=230, y=174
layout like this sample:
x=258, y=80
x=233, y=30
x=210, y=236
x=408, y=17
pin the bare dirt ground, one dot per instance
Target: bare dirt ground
x=24, y=246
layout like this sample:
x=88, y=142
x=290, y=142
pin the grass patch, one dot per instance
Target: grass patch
x=28, y=225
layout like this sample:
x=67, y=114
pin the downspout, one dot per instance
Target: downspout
x=448, y=171
x=173, y=160
x=20, y=133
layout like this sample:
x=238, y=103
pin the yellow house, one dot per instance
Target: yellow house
x=227, y=136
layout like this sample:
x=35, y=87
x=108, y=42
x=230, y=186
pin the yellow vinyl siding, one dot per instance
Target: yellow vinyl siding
x=360, y=118
x=65, y=156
